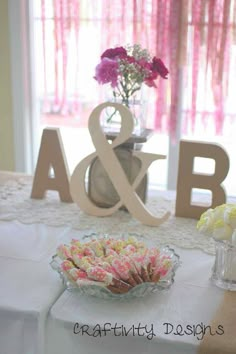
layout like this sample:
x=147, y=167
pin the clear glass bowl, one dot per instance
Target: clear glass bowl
x=138, y=291
x=224, y=269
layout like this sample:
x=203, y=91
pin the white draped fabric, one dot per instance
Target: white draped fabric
x=28, y=286
x=192, y=300
x=37, y=316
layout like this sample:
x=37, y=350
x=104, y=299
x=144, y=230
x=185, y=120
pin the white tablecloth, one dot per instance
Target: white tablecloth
x=192, y=300
x=38, y=317
x=28, y=287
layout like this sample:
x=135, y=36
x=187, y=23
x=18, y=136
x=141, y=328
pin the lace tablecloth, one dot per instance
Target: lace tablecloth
x=16, y=204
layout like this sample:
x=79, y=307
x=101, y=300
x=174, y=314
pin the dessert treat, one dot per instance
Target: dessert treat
x=88, y=251
x=124, y=270
x=116, y=264
x=84, y=282
x=64, y=252
x=76, y=274
x=99, y=274
x=67, y=265
x=97, y=248
x=109, y=268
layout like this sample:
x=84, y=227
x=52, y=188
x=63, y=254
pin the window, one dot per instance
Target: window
x=189, y=87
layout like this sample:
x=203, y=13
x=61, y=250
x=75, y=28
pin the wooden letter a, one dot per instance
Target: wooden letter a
x=51, y=154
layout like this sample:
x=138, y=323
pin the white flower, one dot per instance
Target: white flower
x=221, y=230
x=230, y=215
x=138, y=53
x=220, y=222
x=206, y=222
x=219, y=211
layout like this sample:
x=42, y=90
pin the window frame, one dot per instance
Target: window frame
x=25, y=115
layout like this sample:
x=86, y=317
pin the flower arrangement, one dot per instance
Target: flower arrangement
x=127, y=68
x=220, y=222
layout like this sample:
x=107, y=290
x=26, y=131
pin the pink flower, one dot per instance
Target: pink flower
x=130, y=59
x=149, y=81
x=144, y=64
x=112, y=53
x=150, y=75
x=107, y=71
x=159, y=67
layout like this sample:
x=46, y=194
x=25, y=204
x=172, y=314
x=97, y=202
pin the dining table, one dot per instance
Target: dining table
x=38, y=315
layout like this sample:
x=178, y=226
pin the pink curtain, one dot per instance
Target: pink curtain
x=195, y=38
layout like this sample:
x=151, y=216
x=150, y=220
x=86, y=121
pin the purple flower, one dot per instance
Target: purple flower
x=150, y=83
x=159, y=67
x=112, y=53
x=107, y=72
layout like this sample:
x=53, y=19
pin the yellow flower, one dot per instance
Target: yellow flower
x=230, y=215
x=206, y=222
x=219, y=211
x=219, y=222
x=221, y=230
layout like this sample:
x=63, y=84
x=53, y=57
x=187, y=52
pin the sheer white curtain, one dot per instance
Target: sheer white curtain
x=199, y=91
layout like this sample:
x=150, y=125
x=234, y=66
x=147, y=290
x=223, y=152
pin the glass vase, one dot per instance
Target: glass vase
x=111, y=120
x=224, y=269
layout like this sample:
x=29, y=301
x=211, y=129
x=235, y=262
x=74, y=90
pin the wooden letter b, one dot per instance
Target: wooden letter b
x=187, y=179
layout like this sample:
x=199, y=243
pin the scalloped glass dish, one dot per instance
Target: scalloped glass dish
x=135, y=292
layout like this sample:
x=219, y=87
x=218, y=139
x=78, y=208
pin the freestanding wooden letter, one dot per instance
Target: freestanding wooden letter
x=187, y=179
x=51, y=154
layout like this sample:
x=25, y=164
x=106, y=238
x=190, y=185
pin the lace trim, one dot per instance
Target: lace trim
x=16, y=204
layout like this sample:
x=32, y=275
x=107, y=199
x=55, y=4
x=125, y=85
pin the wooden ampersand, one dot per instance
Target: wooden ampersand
x=104, y=151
